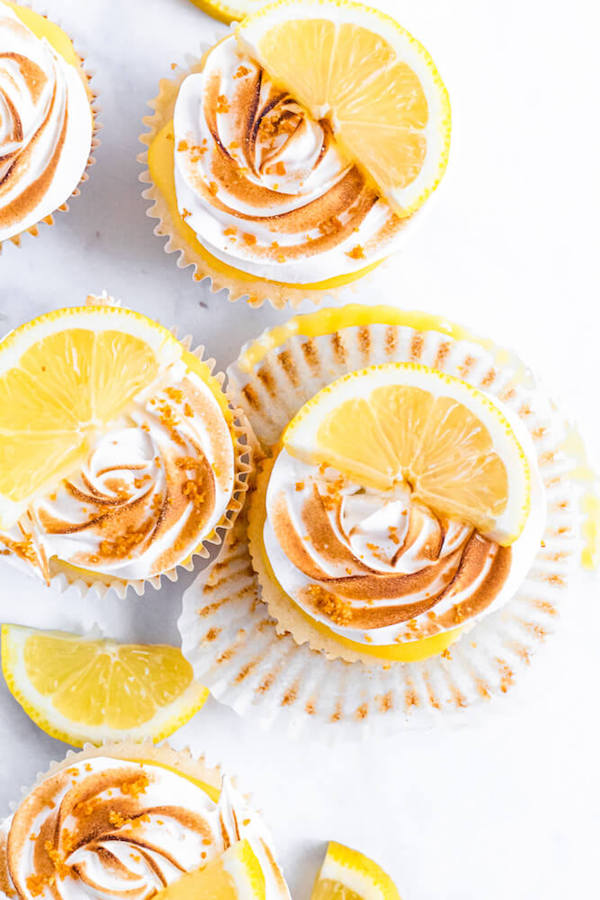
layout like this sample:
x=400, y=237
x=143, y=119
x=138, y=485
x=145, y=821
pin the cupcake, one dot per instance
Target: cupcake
x=126, y=820
x=46, y=120
x=269, y=183
x=120, y=458
x=412, y=516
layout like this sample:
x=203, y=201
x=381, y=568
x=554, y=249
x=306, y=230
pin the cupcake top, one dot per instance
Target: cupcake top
x=263, y=185
x=107, y=827
x=45, y=126
x=155, y=471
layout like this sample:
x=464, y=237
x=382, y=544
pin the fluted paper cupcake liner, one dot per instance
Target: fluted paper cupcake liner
x=249, y=659
x=238, y=284
x=34, y=230
x=243, y=441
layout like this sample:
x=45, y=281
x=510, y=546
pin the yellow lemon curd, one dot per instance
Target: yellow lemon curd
x=44, y=28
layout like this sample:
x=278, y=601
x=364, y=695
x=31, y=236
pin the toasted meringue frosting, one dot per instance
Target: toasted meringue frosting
x=106, y=827
x=45, y=126
x=155, y=484
x=379, y=568
x=264, y=186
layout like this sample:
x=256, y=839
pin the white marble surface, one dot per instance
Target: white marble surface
x=506, y=804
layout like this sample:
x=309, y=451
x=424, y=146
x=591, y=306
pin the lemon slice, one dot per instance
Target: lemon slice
x=231, y=10
x=377, y=86
x=63, y=376
x=235, y=875
x=349, y=875
x=81, y=690
x=407, y=422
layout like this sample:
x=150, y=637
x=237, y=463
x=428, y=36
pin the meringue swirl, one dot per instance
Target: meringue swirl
x=153, y=487
x=114, y=828
x=263, y=185
x=376, y=567
x=45, y=126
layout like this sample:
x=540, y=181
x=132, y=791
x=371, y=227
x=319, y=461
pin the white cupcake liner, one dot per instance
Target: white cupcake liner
x=243, y=442
x=34, y=230
x=233, y=643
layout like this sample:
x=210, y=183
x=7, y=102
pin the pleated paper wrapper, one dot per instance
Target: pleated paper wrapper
x=250, y=663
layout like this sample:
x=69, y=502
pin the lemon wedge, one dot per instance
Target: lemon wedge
x=230, y=11
x=235, y=875
x=349, y=875
x=81, y=690
x=405, y=422
x=63, y=376
x=375, y=83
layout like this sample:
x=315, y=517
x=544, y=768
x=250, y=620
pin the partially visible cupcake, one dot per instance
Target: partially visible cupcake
x=120, y=458
x=125, y=820
x=46, y=120
x=413, y=516
x=280, y=186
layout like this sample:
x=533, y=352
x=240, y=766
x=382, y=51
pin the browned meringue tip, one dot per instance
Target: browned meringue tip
x=254, y=290
x=244, y=443
x=49, y=220
x=256, y=654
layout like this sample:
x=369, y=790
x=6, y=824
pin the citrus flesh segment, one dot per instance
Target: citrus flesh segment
x=349, y=875
x=375, y=83
x=235, y=875
x=404, y=422
x=94, y=690
x=62, y=377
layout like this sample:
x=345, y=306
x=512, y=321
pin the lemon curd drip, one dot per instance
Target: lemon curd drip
x=161, y=164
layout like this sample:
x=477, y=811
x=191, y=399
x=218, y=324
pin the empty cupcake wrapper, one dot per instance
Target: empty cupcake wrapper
x=234, y=645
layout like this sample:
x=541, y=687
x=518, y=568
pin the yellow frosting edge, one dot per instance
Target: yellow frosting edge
x=161, y=167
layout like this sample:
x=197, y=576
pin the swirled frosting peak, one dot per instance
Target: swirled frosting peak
x=154, y=485
x=378, y=567
x=110, y=828
x=263, y=185
x=45, y=126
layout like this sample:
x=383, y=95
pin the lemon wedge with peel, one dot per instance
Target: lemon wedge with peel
x=349, y=875
x=63, y=376
x=80, y=690
x=230, y=10
x=405, y=422
x=235, y=875
x=375, y=84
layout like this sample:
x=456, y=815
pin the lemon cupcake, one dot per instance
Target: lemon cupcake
x=120, y=458
x=278, y=186
x=130, y=819
x=47, y=111
x=413, y=517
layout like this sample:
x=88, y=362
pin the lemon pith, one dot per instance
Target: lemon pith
x=80, y=690
x=448, y=440
x=235, y=875
x=347, y=874
x=375, y=83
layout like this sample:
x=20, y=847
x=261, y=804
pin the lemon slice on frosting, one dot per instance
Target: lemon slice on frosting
x=349, y=875
x=235, y=875
x=375, y=83
x=405, y=422
x=81, y=690
x=63, y=376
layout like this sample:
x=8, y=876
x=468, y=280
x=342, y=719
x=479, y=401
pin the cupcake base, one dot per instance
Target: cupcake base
x=259, y=658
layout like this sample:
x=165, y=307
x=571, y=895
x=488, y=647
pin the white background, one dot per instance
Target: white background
x=506, y=804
